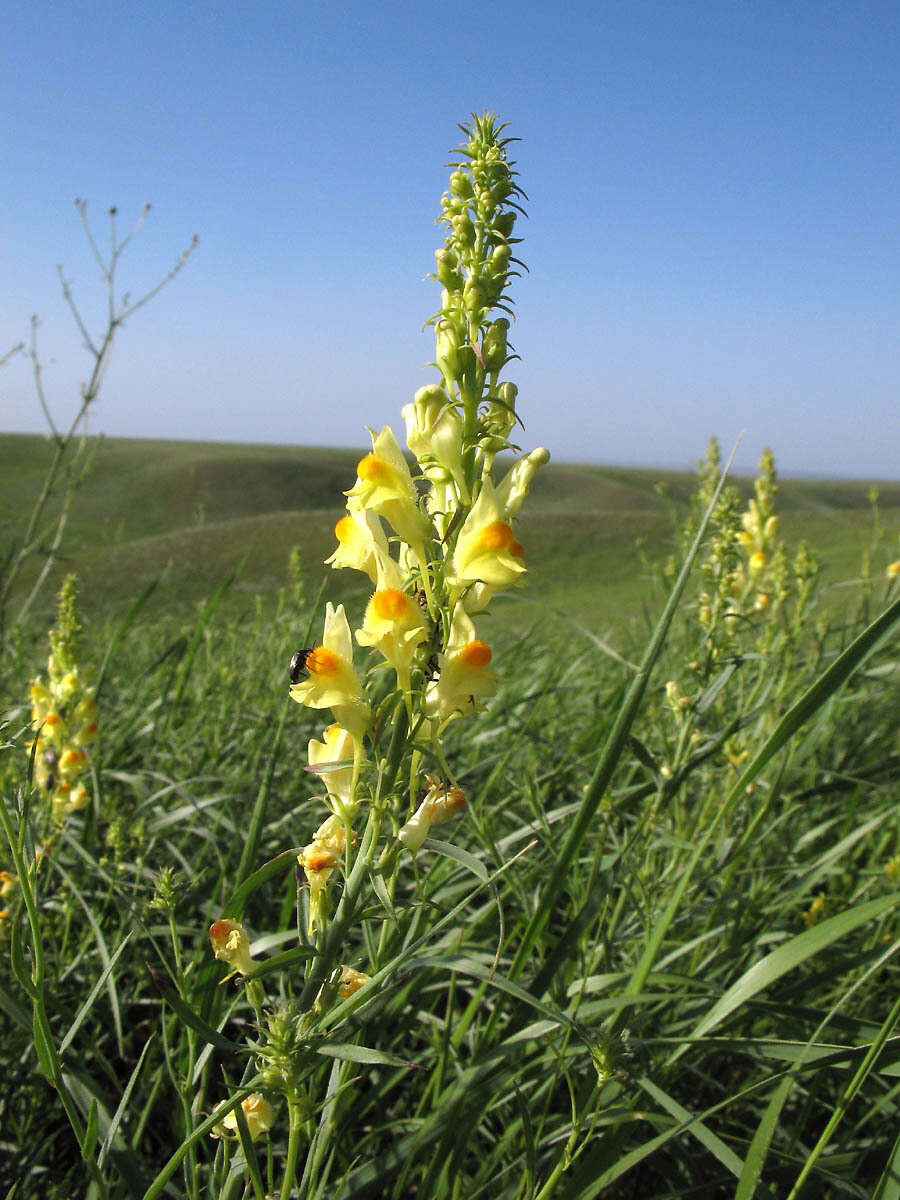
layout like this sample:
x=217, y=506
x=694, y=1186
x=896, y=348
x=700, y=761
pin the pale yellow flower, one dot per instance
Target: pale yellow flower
x=332, y=681
x=339, y=746
x=230, y=944
x=516, y=484
x=257, y=1113
x=486, y=549
x=434, y=434
x=464, y=672
x=440, y=804
x=318, y=860
x=385, y=486
x=361, y=542
x=394, y=622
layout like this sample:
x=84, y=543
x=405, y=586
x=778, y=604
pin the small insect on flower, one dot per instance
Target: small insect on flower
x=298, y=664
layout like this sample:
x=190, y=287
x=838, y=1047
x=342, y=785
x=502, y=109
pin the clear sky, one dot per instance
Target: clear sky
x=713, y=233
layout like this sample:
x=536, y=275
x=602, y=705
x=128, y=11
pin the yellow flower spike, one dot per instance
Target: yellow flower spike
x=8, y=882
x=361, y=542
x=257, y=1114
x=385, y=486
x=440, y=804
x=464, y=672
x=486, y=550
x=72, y=763
x=332, y=682
x=230, y=944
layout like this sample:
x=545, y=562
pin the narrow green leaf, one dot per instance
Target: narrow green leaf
x=187, y=1014
x=86, y=1007
x=788, y=956
x=43, y=1047
x=275, y=866
x=122, y=1105
x=469, y=861
x=363, y=1054
x=759, y=1146
x=701, y=1132
x=89, y=1141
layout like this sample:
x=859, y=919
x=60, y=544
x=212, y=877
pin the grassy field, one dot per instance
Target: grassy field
x=189, y=513
x=653, y=958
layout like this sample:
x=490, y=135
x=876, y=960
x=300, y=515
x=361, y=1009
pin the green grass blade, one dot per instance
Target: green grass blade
x=92, y=996
x=612, y=752
x=788, y=956
x=701, y=1132
x=122, y=1106
x=808, y=704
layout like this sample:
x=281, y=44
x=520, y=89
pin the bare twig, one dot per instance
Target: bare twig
x=37, y=541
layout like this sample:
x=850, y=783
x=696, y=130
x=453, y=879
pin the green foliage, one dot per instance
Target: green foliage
x=675, y=1025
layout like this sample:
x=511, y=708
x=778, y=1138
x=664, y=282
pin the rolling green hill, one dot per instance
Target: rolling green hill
x=189, y=512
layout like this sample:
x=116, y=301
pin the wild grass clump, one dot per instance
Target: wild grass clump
x=533, y=916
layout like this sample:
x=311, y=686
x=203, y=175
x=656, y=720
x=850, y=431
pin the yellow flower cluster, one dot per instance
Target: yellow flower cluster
x=429, y=526
x=63, y=718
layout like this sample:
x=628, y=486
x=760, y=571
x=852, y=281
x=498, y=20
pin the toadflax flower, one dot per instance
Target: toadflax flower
x=332, y=681
x=351, y=981
x=394, y=622
x=486, y=550
x=318, y=860
x=464, y=672
x=434, y=434
x=440, y=804
x=257, y=1113
x=385, y=486
x=361, y=542
x=339, y=747
x=231, y=944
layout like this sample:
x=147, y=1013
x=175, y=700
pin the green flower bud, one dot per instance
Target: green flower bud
x=447, y=343
x=460, y=184
x=464, y=230
x=499, y=260
x=473, y=296
x=504, y=223
x=501, y=189
x=493, y=344
x=448, y=270
x=507, y=393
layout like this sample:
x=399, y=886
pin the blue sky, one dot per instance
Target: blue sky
x=713, y=235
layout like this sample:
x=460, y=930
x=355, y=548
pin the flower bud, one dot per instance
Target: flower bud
x=499, y=260
x=504, y=223
x=448, y=271
x=473, y=296
x=493, y=344
x=461, y=184
x=517, y=483
x=464, y=230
